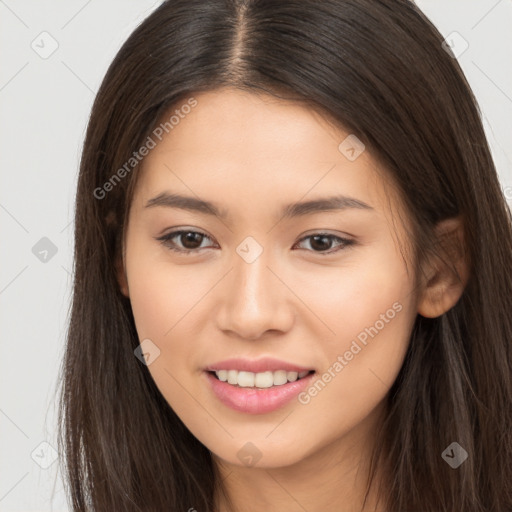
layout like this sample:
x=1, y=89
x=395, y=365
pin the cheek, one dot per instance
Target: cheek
x=372, y=312
x=168, y=302
x=358, y=376
x=163, y=297
x=162, y=293
x=353, y=295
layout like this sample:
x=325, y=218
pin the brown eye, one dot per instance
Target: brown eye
x=188, y=241
x=322, y=243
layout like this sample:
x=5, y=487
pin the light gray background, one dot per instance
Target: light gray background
x=44, y=105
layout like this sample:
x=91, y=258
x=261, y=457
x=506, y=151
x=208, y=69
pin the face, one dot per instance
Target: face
x=271, y=290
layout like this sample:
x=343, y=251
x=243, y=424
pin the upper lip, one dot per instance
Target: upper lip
x=256, y=366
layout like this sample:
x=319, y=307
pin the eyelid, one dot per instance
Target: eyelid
x=166, y=241
x=344, y=242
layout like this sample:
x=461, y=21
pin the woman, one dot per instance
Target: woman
x=292, y=270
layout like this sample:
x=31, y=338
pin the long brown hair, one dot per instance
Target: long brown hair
x=379, y=69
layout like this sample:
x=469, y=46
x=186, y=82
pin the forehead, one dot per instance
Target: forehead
x=254, y=148
x=259, y=125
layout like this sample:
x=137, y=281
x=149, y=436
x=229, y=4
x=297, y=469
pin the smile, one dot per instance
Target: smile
x=261, y=380
x=254, y=399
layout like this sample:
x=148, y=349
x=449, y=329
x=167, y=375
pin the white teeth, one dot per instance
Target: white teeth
x=223, y=375
x=259, y=380
x=264, y=380
x=246, y=379
x=292, y=376
x=280, y=377
x=233, y=376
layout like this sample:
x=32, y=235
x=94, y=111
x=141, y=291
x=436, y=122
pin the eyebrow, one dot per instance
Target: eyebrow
x=194, y=204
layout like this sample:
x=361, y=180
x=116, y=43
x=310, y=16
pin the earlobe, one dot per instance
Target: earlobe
x=447, y=272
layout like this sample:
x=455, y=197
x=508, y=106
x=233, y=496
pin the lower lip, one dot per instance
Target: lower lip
x=257, y=401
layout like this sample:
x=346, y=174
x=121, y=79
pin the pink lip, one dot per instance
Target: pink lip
x=256, y=401
x=261, y=365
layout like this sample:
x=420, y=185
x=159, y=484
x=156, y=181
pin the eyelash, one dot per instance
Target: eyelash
x=166, y=241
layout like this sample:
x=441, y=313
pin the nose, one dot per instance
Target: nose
x=254, y=300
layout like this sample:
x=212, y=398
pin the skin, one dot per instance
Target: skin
x=251, y=154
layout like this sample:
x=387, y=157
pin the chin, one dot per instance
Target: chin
x=261, y=454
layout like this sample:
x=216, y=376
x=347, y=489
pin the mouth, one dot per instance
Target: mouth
x=260, y=380
x=257, y=393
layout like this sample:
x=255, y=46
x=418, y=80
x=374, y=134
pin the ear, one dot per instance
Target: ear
x=121, y=277
x=446, y=274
